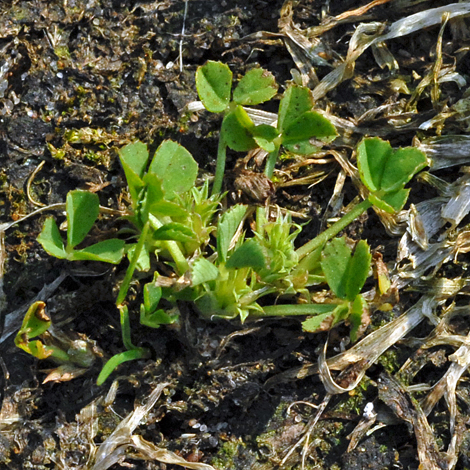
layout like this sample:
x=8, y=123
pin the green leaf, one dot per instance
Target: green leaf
x=37, y=349
x=308, y=133
x=134, y=158
x=157, y=318
x=82, y=210
x=391, y=202
x=152, y=296
x=50, y=239
x=154, y=187
x=248, y=255
x=383, y=169
x=300, y=309
x=118, y=359
x=35, y=322
x=402, y=165
x=150, y=315
x=257, y=86
x=143, y=261
x=174, y=231
x=203, y=271
x=213, y=83
x=325, y=321
x=358, y=317
x=237, y=129
x=175, y=167
x=296, y=101
x=335, y=264
x=358, y=270
x=372, y=156
x=264, y=135
x=167, y=208
x=107, y=251
x=227, y=227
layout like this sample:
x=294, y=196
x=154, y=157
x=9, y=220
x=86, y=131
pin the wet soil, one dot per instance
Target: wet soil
x=81, y=78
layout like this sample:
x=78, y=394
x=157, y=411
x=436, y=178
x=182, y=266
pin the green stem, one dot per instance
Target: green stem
x=260, y=220
x=181, y=263
x=125, y=327
x=172, y=246
x=132, y=265
x=330, y=232
x=271, y=162
x=59, y=354
x=298, y=309
x=116, y=360
x=220, y=166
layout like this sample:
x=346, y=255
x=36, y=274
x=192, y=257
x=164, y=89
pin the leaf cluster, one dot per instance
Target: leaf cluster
x=346, y=273
x=82, y=209
x=299, y=129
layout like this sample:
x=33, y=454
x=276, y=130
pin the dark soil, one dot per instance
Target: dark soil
x=78, y=80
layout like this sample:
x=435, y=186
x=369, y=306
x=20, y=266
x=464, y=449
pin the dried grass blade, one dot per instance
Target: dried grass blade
x=347, y=16
x=371, y=33
x=448, y=383
x=392, y=393
x=447, y=151
x=111, y=448
x=149, y=451
x=377, y=342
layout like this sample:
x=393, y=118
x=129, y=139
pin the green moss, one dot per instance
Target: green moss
x=354, y=401
x=62, y=52
x=226, y=454
x=58, y=154
x=389, y=360
x=100, y=158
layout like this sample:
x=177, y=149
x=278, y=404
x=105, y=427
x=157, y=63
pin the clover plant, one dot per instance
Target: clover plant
x=215, y=264
x=82, y=210
x=384, y=172
x=345, y=274
x=299, y=129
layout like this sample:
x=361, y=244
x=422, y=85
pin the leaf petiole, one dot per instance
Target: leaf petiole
x=220, y=166
x=330, y=232
x=132, y=265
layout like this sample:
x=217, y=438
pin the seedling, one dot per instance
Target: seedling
x=74, y=356
x=246, y=270
x=171, y=218
x=384, y=172
x=35, y=323
x=299, y=129
x=345, y=274
x=82, y=210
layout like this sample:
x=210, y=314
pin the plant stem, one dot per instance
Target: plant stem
x=132, y=265
x=171, y=245
x=297, y=309
x=271, y=162
x=220, y=166
x=330, y=232
x=260, y=220
x=125, y=327
x=59, y=354
x=178, y=257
